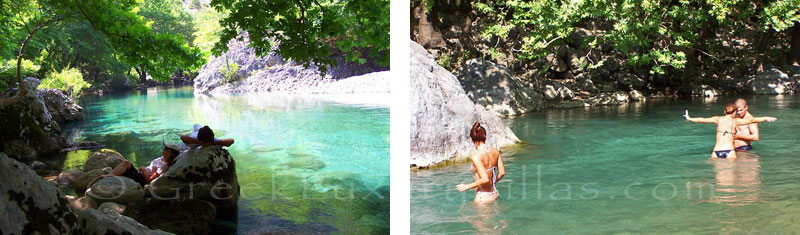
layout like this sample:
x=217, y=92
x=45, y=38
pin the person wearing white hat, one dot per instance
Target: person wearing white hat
x=145, y=175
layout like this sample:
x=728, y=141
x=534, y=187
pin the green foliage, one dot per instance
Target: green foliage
x=309, y=30
x=8, y=69
x=69, y=81
x=207, y=29
x=128, y=37
x=8, y=72
x=168, y=17
x=230, y=72
x=653, y=33
x=780, y=15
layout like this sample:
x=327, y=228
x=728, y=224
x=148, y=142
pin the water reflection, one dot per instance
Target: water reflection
x=738, y=182
x=483, y=218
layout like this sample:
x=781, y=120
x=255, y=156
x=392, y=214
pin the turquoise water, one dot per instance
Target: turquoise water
x=636, y=168
x=304, y=164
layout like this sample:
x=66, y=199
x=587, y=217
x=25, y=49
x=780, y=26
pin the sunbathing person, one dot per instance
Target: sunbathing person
x=145, y=175
x=204, y=136
x=726, y=129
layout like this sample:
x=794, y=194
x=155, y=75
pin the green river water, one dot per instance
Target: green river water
x=635, y=168
x=304, y=165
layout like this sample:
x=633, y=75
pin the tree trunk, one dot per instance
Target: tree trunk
x=142, y=75
x=22, y=91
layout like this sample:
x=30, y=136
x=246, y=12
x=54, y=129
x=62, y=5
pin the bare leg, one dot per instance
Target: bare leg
x=120, y=169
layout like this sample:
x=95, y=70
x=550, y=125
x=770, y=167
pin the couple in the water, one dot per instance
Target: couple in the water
x=736, y=119
x=735, y=130
x=200, y=136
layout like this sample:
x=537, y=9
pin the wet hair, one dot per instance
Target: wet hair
x=478, y=133
x=730, y=108
x=205, y=135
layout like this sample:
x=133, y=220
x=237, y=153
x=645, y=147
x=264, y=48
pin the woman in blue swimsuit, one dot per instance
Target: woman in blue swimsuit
x=485, y=162
x=726, y=129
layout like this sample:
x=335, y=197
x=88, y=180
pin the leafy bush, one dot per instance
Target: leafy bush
x=8, y=72
x=230, y=72
x=69, y=81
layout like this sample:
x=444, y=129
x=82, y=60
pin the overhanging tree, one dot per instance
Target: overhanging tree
x=308, y=31
x=128, y=33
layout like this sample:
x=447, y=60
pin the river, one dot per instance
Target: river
x=304, y=164
x=634, y=168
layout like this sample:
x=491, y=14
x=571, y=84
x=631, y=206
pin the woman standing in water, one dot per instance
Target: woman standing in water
x=485, y=162
x=726, y=129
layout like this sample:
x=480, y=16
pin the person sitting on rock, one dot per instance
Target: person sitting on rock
x=145, y=175
x=204, y=136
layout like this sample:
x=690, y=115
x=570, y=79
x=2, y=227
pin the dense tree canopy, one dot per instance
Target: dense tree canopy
x=97, y=32
x=662, y=34
x=309, y=31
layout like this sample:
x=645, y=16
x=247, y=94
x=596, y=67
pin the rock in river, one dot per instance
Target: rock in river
x=29, y=204
x=206, y=173
x=61, y=107
x=110, y=221
x=102, y=159
x=493, y=87
x=442, y=114
x=118, y=189
x=28, y=130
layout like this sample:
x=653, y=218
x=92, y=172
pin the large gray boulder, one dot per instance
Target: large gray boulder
x=442, y=115
x=206, y=173
x=102, y=159
x=771, y=82
x=31, y=205
x=118, y=189
x=69, y=177
x=185, y=216
x=85, y=181
x=492, y=86
x=271, y=73
x=28, y=130
x=109, y=221
x=61, y=107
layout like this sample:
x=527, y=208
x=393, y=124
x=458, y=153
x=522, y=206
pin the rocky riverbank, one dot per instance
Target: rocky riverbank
x=240, y=70
x=30, y=127
x=574, y=74
x=442, y=115
x=197, y=195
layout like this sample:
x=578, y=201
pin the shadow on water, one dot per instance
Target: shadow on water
x=276, y=202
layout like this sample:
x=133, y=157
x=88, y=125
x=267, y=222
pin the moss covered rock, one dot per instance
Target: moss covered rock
x=27, y=130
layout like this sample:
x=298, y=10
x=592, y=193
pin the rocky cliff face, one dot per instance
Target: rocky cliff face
x=442, y=115
x=493, y=87
x=272, y=73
